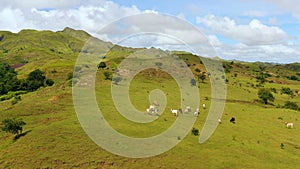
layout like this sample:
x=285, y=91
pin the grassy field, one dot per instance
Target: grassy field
x=54, y=137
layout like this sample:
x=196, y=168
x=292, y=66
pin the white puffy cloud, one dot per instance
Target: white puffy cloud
x=87, y=17
x=254, y=33
x=278, y=53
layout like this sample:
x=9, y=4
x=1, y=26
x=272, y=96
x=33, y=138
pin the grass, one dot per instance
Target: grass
x=259, y=139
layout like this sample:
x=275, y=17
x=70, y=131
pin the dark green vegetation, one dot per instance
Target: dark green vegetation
x=258, y=139
x=14, y=126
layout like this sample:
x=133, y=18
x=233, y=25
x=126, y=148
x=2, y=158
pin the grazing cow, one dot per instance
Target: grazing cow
x=148, y=110
x=174, y=112
x=196, y=113
x=155, y=103
x=152, y=107
x=204, y=106
x=232, y=120
x=289, y=125
x=219, y=120
x=187, y=109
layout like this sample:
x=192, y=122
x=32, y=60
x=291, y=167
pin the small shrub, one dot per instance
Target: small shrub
x=195, y=131
x=107, y=75
x=49, y=82
x=291, y=105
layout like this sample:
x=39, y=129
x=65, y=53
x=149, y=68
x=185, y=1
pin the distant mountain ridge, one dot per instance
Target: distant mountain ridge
x=32, y=45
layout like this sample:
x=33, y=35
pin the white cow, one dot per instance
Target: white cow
x=152, y=107
x=155, y=103
x=174, y=112
x=196, y=113
x=204, y=106
x=187, y=109
x=219, y=120
x=289, y=125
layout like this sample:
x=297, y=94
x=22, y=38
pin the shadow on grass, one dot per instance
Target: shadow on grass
x=21, y=135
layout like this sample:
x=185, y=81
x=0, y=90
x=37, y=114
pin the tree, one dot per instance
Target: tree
x=14, y=126
x=37, y=75
x=265, y=95
x=35, y=80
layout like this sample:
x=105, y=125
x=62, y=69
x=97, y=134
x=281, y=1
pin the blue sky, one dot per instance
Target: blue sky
x=250, y=30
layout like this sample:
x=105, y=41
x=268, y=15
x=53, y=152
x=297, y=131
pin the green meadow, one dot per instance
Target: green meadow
x=54, y=138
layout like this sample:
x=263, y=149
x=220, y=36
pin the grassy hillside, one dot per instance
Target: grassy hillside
x=54, y=138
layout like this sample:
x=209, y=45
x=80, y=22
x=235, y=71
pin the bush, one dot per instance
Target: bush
x=107, y=75
x=287, y=91
x=101, y=65
x=195, y=131
x=291, y=105
x=49, y=82
x=16, y=100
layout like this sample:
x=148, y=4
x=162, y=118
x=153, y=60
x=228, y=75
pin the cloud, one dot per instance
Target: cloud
x=279, y=53
x=255, y=13
x=50, y=4
x=254, y=33
x=289, y=6
x=87, y=17
x=159, y=24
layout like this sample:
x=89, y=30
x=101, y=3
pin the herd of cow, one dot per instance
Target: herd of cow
x=153, y=110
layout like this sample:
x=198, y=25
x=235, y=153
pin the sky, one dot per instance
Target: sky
x=247, y=30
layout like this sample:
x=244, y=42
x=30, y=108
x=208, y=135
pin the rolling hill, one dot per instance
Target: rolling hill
x=54, y=137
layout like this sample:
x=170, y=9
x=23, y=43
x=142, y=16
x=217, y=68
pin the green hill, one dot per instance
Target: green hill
x=54, y=138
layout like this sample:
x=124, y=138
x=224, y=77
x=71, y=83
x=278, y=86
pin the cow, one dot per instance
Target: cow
x=174, y=112
x=289, y=125
x=187, y=109
x=155, y=103
x=232, y=120
x=196, y=113
x=152, y=107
